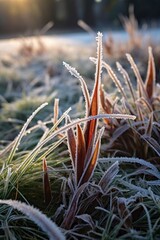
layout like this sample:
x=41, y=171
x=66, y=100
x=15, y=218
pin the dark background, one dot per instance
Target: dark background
x=24, y=15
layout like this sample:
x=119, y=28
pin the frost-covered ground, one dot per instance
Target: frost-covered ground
x=10, y=45
x=32, y=68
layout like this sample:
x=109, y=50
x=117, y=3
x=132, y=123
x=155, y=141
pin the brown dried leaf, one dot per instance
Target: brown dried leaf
x=56, y=110
x=80, y=153
x=71, y=145
x=151, y=75
x=130, y=25
x=109, y=45
x=91, y=164
x=46, y=184
x=106, y=104
x=91, y=126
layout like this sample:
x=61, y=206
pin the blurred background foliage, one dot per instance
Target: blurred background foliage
x=23, y=15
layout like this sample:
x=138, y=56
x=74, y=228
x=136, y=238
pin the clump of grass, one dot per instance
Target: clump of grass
x=34, y=46
x=134, y=42
x=114, y=196
x=143, y=102
x=9, y=81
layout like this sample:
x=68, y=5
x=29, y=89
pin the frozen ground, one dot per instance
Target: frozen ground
x=11, y=45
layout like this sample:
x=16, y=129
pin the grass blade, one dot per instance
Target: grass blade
x=72, y=209
x=151, y=75
x=91, y=164
x=90, y=128
x=24, y=165
x=56, y=110
x=127, y=79
x=141, y=88
x=38, y=217
x=108, y=176
x=80, y=153
x=22, y=133
x=85, y=91
x=71, y=140
x=46, y=184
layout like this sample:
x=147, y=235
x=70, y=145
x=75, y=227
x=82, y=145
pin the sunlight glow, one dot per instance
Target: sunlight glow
x=17, y=1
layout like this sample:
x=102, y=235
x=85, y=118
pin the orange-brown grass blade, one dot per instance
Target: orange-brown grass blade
x=106, y=104
x=46, y=184
x=56, y=110
x=151, y=75
x=130, y=25
x=91, y=164
x=149, y=107
x=144, y=101
x=141, y=88
x=80, y=153
x=115, y=79
x=112, y=75
x=71, y=145
x=91, y=126
x=127, y=79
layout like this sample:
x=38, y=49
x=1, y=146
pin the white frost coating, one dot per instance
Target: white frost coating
x=85, y=91
x=130, y=160
x=66, y=127
x=49, y=227
x=137, y=74
x=126, y=78
x=98, y=62
x=109, y=176
x=72, y=70
x=22, y=132
x=99, y=46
